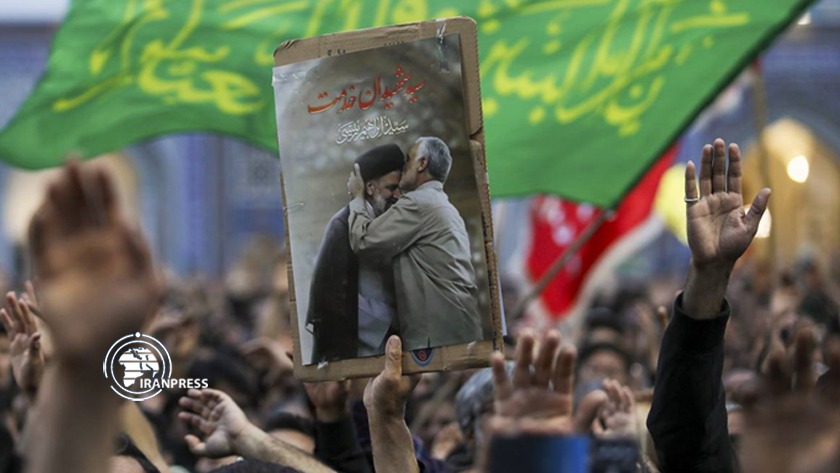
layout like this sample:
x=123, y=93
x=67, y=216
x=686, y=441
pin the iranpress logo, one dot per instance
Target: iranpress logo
x=139, y=368
x=134, y=359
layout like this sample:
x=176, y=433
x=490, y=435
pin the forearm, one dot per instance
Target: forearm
x=388, y=234
x=75, y=422
x=337, y=445
x=687, y=420
x=393, y=449
x=359, y=220
x=705, y=290
x=258, y=445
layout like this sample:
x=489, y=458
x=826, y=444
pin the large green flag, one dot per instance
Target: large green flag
x=580, y=96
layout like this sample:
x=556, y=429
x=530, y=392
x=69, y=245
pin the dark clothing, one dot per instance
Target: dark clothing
x=338, y=447
x=687, y=419
x=333, y=313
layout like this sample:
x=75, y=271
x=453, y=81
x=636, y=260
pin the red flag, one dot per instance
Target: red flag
x=556, y=224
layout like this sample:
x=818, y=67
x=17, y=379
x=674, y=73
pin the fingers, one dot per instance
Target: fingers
x=501, y=381
x=777, y=380
x=523, y=359
x=8, y=324
x=107, y=195
x=759, y=205
x=78, y=199
x=195, y=421
x=564, y=376
x=719, y=166
x=18, y=316
x=690, y=181
x=627, y=399
x=588, y=410
x=393, y=357
x=32, y=297
x=545, y=359
x=733, y=180
x=706, y=171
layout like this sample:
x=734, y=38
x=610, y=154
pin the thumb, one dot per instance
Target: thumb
x=356, y=171
x=195, y=445
x=759, y=205
x=393, y=357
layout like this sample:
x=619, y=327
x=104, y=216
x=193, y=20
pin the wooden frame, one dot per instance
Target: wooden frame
x=467, y=185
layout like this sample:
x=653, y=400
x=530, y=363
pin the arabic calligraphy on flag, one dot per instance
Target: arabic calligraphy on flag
x=570, y=88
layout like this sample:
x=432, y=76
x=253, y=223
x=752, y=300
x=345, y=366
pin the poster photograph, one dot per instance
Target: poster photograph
x=387, y=232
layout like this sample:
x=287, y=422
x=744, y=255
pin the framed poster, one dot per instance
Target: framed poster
x=410, y=252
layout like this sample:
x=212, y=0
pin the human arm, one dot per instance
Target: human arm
x=385, y=398
x=688, y=416
x=336, y=442
x=27, y=357
x=82, y=248
x=387, y=235
x=226, y=431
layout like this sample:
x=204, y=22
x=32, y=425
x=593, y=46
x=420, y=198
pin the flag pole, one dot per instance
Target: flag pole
x=560, y=263
x=760, y=116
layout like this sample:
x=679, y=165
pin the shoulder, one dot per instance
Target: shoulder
x=338, y=222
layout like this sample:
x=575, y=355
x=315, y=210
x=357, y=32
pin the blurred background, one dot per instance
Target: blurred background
x=211, y=205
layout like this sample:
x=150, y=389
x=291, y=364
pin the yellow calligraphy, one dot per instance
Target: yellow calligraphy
x=615, y=71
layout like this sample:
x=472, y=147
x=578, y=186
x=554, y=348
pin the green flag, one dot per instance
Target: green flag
x=580, y=96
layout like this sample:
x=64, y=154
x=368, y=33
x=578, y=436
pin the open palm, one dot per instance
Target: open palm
x=216, y=416
x=719, y=230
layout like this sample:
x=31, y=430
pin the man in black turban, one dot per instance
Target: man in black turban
x=351, y=305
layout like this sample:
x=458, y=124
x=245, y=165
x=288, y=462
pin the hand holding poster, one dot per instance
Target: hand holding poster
x=402, y=246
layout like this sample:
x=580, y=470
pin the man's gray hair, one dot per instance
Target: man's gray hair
x=436, y=151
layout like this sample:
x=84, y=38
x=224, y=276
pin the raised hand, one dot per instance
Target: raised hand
x=27, y=357
x=387, y=393
x=96, y=278
x=355, y=183
x=719, y=230
x=330, y=399
x=540, y=397
x=618, y=415
x=222, y=423
x=385, y=397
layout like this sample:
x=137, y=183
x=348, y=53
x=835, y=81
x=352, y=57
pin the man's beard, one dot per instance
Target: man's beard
x=379, y=204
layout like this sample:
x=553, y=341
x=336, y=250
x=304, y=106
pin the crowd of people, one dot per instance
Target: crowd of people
x=740, y=372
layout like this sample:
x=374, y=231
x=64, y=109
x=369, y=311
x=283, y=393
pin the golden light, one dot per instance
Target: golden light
x=798, y=169
x=764, y=225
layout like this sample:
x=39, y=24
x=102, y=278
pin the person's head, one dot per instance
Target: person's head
x=474, y=404
x=602, y=360
x=428, y=160
x=380, y=169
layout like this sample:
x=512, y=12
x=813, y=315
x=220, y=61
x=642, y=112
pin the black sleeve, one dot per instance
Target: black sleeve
x=337, y=446
x=687, y=420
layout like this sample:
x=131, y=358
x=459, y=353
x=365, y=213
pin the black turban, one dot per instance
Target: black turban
x=377, y=162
